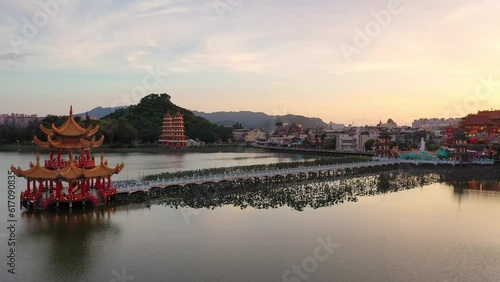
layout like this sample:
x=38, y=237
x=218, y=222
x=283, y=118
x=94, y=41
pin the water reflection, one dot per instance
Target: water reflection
x=70, y=240
x=323, y=193
x=313, y=194
x=478, y=185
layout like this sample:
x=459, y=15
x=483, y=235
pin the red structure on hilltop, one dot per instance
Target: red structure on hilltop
x=173, y=131
x=76, y=179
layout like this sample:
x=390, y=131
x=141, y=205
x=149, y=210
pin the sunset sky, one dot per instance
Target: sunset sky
x=430, y=59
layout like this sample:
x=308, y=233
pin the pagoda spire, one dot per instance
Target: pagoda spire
x=71, y=111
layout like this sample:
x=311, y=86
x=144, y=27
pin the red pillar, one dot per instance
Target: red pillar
x=58, y=188
x=70, y=187
x=88, y=155
x=40, y=188
x=83, y=186
x=98, y=184
x=109, y=181
x=29, y=185
x=58, y=156
x=82, y=156
x=51, y=154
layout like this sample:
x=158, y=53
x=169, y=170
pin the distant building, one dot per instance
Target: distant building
x=239, y=135
x=478, y=128
x=347, y=142
x=195, y=143
x=433, y=123
x=255, y=135
x=390, y=124
x=384, y=145
x=335, y=126
x=20, y=120
x=173, y=131
x=449, y=135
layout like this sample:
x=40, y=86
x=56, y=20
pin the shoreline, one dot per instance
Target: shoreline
x=312, y=151
x=139, y=149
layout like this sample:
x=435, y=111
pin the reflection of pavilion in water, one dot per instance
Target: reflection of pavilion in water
x=72, y=239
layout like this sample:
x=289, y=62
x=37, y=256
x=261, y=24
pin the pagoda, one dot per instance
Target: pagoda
x=173, y=131
x=72, y=180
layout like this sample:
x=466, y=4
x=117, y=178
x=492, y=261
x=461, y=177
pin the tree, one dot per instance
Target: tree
x=208, y=136
x=403, y=146
x=369, y=144
x=125, y=132
x=330, y=144
x=238, y=125
x=323, y=136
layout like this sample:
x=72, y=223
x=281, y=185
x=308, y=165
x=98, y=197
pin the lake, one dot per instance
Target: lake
x=444, y=231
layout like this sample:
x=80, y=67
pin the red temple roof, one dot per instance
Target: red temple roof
x=477, y=120
x=491, y=114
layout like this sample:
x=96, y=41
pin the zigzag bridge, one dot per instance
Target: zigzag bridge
x=301, y=172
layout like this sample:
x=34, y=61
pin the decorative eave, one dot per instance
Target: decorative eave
x=80, y=143
x=91, y=131
x=102, y=170
x=71, y=172
x=41, y=143
x=35, y=172
x=97, y=143
x=47, y=131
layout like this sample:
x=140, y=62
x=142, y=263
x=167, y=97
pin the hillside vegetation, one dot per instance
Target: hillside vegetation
x=144, y=122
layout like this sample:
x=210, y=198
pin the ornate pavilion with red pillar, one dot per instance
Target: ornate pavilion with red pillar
x=70, y=175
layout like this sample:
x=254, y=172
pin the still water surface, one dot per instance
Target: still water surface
x=433, y=233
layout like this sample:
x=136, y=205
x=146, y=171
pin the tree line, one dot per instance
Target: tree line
x=138, y=122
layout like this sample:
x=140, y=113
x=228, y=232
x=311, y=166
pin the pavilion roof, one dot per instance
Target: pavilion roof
x=80, y=143
x=70, y=172
x=103, y=170
x=36, y=171
x=70, y=128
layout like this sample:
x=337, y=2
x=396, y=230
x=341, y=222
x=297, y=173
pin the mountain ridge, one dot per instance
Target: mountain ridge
x=100, y=112
x=251, y=119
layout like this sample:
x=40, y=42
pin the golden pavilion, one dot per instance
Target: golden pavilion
x=70, y=175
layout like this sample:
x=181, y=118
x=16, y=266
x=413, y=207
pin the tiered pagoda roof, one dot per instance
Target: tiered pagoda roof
x=80, y=143
x=70, y=172
x=69, y=136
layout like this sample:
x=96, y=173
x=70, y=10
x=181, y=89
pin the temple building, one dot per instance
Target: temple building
x=173, y=131
x=384, y=145
x=482, y=128
x=76, y=179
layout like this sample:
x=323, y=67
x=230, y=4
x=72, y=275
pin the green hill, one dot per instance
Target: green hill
x=144, y=122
